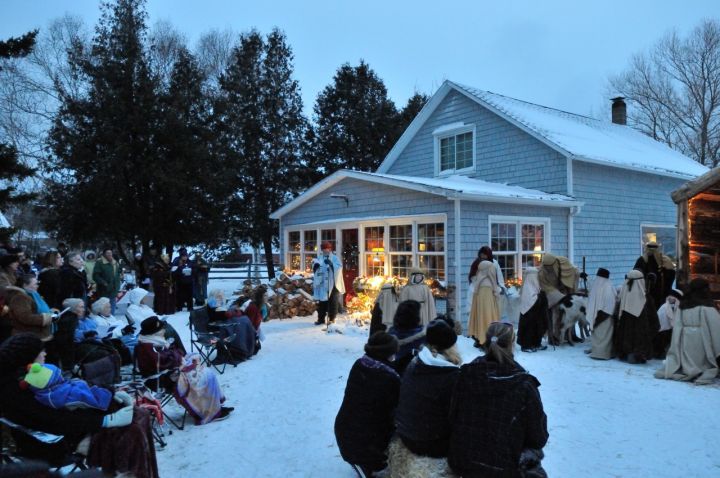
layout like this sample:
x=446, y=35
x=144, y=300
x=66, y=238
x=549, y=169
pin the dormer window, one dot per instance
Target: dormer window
x=455, y=148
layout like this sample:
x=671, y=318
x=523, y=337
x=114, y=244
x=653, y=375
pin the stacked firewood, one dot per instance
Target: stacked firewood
x=289, y=296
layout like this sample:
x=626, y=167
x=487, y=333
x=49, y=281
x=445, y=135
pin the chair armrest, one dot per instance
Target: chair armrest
x=43, y=437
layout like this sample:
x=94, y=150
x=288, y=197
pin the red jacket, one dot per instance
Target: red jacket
x=252, y=312
x=147, y=359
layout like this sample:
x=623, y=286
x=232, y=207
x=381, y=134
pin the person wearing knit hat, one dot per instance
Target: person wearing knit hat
x=328, y=283
x=695, y=344
x=638, y=321
x=416, y=289
x=409, y=332
x=422, y=416
x=52, y=390
x=364, y=423
x=667, y=315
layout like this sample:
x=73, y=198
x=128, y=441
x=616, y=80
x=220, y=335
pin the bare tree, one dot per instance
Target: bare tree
x=166, y=43
x=214, y=51
x=674, y=92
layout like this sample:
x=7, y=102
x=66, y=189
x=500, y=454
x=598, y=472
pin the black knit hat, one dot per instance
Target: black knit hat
x=151, y=325
x=602, y=272
x=381, y=346
x=407, y=315
x=8, y=259
x=19, y=351
x=440, y=335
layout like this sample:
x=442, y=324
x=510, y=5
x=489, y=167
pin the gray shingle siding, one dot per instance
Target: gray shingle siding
x=617, y=202
x=504, y=153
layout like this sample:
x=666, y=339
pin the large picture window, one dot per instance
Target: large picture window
x=518, y=243
x=431, y=249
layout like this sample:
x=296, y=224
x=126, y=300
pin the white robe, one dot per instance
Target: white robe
x=694, y=348
x=423, y=294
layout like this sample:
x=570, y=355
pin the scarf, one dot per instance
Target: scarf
x=155, y=339
x=602, y=298
x=530, y=290
x=632, y=295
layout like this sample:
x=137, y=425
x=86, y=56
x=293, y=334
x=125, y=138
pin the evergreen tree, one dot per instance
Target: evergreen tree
x=258, y=115
x=128, y=158
x=12, y=171
x=413, y=106
x=356, y=122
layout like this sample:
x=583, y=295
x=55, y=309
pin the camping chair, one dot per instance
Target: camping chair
x=22, y=433
x=207, y=341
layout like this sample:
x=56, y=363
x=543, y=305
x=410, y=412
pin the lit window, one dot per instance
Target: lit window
x=517, y=244
x=661, y=234
x=431, y=249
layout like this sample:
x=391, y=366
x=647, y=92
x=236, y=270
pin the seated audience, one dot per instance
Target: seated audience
x=409, y=332
x=364, y=424
x=67, y=324
x=138, y=310
x=121, y=440
x=52, y=390
x=695, y=345
x=422, y=416
x=498, y=424
x=111, y=327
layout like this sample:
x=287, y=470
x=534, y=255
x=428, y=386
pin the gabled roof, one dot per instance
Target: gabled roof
x=575, y=136
x=692, y=188
x=452, y=187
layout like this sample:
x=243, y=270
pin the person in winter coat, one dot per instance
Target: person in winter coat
x=182, y=277
x=24, y=316
x=422, y=417
x=89, y=258
x=163, y=287
x=383, y=311
x=498, y=424
x=637, y=322
x=417, y=290
x=364, y=423
x=328, y=283
x=121, y=439
x=73, y=280
x=600, y=314
x=409, y=332
x=106, y=275
x=30, y=286
x=695, y=346
x=9, y=264
x=52, y=390
x=533, y=313
x=49, y=280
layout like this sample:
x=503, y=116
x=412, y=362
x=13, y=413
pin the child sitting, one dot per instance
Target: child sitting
x=52, y=390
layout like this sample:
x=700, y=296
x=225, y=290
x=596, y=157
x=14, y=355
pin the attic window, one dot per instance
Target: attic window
x=455, y=149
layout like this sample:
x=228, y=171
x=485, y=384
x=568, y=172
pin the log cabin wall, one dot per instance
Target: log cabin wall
x=703, y=238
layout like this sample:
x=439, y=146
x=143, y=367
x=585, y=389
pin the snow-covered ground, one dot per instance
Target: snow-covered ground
x=606, y=419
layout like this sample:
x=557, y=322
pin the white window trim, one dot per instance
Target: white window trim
x=655, y=224
x=360, y=225
x=519, y=221
x=449, y=131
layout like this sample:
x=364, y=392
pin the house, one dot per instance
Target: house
x=698, y=216
x=476, y=168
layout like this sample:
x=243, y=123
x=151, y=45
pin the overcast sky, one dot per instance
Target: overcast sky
x=556, y=53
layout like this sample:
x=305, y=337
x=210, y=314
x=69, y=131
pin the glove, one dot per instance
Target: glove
x=121, y=418
x=123, y=398
x=128, y=329
x=327, y=261
x=90, y=334
x=583, y=275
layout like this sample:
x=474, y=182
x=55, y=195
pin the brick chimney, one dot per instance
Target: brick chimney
x=619, y=110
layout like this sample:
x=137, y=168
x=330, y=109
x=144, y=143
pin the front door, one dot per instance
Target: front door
x=350, y=260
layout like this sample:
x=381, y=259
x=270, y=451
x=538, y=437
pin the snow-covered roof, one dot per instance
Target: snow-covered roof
x=3, y=221
x=452, y=187
x=575, y=136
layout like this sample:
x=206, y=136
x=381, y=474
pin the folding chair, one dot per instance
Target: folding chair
x=76, y=460
x=207, y=341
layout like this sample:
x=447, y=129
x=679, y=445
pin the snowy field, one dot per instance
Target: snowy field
x=606, y=419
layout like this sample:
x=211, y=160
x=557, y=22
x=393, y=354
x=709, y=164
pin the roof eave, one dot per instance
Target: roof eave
x=563, y=203
x=640, y=169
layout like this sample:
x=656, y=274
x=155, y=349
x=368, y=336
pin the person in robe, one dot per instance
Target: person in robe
x=600, y=314
x=558, y=277
x=384, y=309
x=416, y=289
x=485, y=253
x=162, y=284
x=695, y=346
x=533, y=313
x=667, y=314
x=637, y=321
x=327, y=283
x=658, y=271
x=485, y=309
